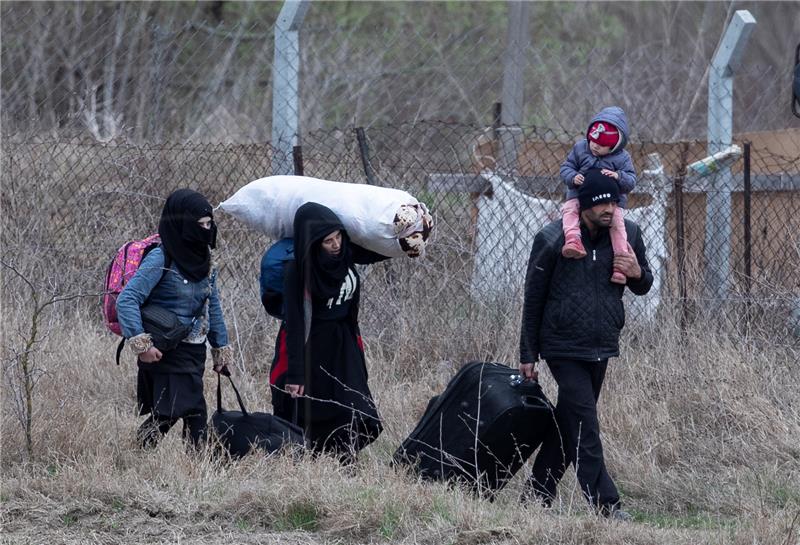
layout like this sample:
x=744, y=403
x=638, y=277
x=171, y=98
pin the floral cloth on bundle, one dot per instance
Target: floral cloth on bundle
x=413, y=225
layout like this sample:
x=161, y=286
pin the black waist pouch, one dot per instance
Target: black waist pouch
x=164, y=327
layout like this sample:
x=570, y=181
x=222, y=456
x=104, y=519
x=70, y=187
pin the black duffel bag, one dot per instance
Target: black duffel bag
x=240, y=431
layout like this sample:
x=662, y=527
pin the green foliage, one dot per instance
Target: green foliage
x=243, y=524
x=264, y=13
x=390, y=521
x=442, y=510
x=299, y=516
x=582, y=29
x=352, y=14
x=443, y=17
x=585, y=24
x=785, y=496
x=117, y=504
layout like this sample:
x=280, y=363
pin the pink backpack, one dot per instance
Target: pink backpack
x=121, y=269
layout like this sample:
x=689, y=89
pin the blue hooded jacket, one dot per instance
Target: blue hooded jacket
x=580, y=159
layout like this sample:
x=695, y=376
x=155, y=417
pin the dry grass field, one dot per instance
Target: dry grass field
x=701, y=432
x=701, y=425
x=701, y=428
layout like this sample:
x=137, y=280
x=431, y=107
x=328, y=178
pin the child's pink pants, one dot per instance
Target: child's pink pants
x=571, y=219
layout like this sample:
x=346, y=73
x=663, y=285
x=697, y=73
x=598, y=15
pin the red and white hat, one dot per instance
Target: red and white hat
x=604, y=134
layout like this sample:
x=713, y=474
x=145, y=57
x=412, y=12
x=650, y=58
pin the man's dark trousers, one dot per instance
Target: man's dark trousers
x=578, y=432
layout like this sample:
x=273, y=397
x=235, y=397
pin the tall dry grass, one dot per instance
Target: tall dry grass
x=701, y=433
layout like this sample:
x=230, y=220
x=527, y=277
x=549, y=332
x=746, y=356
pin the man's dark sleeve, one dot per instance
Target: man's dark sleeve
x=362, y=256
x=537, y=282
x=295, y=325
x=643, y=284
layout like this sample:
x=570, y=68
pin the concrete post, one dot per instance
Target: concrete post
x=285, y=85
x=726, y=61
x=513, y=84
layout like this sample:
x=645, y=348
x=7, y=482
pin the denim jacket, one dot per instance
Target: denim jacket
x=169, y=289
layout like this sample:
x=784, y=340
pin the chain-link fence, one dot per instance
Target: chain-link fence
x=108, y=107
x=68, y=205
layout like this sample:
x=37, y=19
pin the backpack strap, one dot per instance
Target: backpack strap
x=167, y=260
x=119, y=348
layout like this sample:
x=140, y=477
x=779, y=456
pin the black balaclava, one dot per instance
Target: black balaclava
x=184, y=241
x=322, y=273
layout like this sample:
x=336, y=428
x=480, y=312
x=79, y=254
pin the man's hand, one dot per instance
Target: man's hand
x=610, y=173
x=578, y=179
x=628, y=264
x=295, y=390
x=152, y=355
x=528, y=370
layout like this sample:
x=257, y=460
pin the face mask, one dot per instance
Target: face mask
x=193, y=233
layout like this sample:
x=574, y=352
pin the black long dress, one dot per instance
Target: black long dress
x=337, y=410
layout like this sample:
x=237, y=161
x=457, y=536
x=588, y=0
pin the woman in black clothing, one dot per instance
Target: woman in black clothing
x=319, y=374
x=177, y=276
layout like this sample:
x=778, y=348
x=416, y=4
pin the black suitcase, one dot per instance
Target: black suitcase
x=480, y=430
x=241, y=431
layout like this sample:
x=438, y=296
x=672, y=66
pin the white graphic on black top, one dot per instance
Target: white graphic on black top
x=347, y=290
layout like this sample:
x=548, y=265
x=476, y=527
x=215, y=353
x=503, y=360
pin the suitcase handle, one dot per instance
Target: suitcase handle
x=219, y=395
x=534, y=402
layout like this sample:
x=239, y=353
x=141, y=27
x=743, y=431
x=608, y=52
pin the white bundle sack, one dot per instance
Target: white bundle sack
x=388, y=221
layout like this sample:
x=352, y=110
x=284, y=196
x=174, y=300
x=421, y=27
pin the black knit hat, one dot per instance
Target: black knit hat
x=597, y=189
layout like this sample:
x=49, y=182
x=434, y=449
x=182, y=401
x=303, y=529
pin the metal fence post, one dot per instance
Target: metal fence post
x=285, y=84
x=297, y=159
x=363, y=151
x=747, y=227
x=497, y=115
x=680, y=237
x=513, y=83
x=726, y=61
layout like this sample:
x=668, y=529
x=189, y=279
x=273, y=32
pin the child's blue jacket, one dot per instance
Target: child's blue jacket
x=580, y=159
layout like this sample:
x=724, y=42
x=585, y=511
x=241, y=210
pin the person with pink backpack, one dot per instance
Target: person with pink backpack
x=176, y=281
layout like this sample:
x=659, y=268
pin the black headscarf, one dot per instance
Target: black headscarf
x=183, y=239
x=322, y=273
